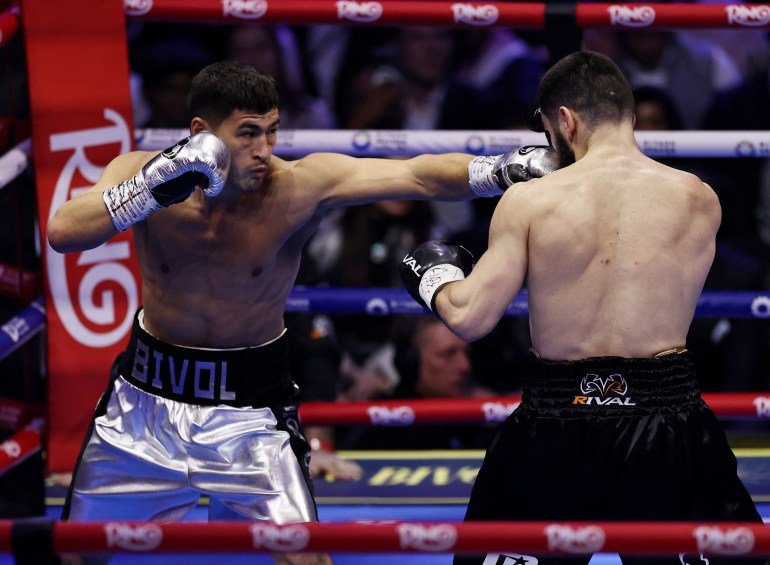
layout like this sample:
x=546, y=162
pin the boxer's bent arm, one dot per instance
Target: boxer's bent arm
x=472, y=307
x=345, y=180
x=84, y=222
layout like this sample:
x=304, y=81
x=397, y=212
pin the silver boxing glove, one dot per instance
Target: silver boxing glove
x=492, y=175
x=170, y=177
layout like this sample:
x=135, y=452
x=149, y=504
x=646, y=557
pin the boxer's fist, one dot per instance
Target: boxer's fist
x=170, y=177
x=492, y=175
x=432, y=265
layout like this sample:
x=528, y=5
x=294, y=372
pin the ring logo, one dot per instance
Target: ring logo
x=735, y=541
x=638, y=16
x=280, y=538
x=745, y=149
x=11, y=448
x=760, y=307
x=475, y=144
x=137, y=7
x=144, y=537
x=497, y=411
x=361, y=141
x=441, y=537
x=475, y=15
x=385, y=416
x=763, y=406
x=377, y=307
x=15, y=328
x=603, y=391
x=244, y=9
x=588, y=539
x=104, y=271
x=751, y=16
x=359, y=11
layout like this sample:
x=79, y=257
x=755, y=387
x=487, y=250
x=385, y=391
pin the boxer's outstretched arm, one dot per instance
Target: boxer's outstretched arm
x=344, y=180
x=84, y=222
x=472, y=307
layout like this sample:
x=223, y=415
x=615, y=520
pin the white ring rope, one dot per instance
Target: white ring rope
x=415, y=142
x=297, y=142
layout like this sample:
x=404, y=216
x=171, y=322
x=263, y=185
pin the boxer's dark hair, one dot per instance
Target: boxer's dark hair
x=589, y=83
x=223, y=87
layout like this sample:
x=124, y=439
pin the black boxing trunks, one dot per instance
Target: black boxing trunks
x=609, y=439
x=179, y=422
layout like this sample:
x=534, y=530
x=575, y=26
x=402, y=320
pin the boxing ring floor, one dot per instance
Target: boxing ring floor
x=405, y=486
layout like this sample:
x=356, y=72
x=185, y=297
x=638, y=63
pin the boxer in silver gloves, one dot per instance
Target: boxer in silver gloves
x=201, y=401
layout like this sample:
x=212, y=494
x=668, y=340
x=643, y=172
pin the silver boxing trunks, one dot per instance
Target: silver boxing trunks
x=177, y=423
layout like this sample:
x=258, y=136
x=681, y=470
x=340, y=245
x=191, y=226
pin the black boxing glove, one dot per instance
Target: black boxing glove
x=170, y=177
x=492, y=175
x=432, y=265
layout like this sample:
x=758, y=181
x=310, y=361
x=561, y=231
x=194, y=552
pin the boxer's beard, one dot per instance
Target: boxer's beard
x=565, y=155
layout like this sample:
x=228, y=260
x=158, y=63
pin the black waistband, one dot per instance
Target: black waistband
x=253, y=376
x=619, y=385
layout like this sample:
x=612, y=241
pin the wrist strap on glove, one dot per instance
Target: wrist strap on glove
x=435, y=278
x=481, y=176
x=129, y=202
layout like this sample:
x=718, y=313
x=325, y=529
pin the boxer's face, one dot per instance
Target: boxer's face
x=251, y=138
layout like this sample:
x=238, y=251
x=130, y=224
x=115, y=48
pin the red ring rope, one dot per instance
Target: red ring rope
x=408, y=412
x=579, y=538
x=525, y=15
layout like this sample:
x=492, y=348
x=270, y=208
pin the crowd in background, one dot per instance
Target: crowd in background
x=434, y=78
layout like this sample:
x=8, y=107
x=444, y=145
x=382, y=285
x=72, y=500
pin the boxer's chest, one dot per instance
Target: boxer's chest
x=235, y=248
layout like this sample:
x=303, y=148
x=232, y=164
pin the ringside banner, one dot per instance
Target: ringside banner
x=81, y=118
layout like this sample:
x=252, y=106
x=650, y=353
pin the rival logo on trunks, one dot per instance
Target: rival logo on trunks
x=439, y=538
x=588, y=539
x=359, y=11
x=733, y=541
x=750, y=16
x=244, y=9
x=603, y=391
x=144, y=537
x=638, y=16
x=386, y=416
x=293, y=537
x=475, y=15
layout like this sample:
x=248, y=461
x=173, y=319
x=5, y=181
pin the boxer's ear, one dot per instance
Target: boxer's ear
x=198, y=125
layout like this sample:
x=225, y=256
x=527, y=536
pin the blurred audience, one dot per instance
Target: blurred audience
x=433, y=363
x=273, y=50
x=691, y=71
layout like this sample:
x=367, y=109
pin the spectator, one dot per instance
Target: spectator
x=679, y=65
x=498, y=61
x=433, y=363
x=743, y=241
x=273, y=50
x=166, y=67
x=362, y=247
x=417, y=90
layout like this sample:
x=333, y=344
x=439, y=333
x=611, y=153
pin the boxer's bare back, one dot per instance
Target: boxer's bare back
x=614, y=249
